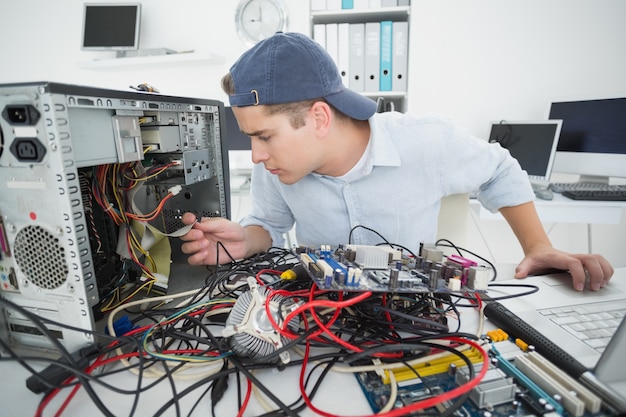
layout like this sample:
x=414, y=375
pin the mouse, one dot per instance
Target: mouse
x=544, y=194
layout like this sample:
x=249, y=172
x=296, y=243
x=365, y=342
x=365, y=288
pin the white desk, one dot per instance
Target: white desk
x=565, y=210
x=339, y=394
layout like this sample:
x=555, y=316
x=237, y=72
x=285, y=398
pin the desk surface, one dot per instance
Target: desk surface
x=565, y=210
x=18, y=401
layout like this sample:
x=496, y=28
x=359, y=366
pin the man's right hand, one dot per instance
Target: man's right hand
x=206, y=241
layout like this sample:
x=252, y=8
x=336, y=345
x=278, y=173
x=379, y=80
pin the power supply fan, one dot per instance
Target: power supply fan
x=249, y=328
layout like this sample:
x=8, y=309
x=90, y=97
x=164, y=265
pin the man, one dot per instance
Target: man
x=326, y=161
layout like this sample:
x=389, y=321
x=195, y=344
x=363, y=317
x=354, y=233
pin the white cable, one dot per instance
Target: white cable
x=152, y=372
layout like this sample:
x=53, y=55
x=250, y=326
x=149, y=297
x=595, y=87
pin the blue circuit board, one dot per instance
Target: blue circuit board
x=371, y=268
x=505, y=391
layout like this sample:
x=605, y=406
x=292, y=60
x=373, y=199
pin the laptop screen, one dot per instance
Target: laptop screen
x=532, y=143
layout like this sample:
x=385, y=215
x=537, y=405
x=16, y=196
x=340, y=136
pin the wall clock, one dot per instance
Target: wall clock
x=259, y=19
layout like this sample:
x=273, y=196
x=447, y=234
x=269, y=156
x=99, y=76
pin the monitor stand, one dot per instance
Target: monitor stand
x=596, y=179
x=144, y=52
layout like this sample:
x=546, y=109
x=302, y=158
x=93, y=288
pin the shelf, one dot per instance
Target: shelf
x=151, y=60
x=341, y=29
x=388, y=94
x=358, y=15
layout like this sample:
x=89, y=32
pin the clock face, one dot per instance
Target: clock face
x=260, y=19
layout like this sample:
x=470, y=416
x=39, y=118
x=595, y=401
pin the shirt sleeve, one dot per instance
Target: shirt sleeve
x=268, y=208
x=473, y=164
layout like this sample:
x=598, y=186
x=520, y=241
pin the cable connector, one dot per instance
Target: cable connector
x=175, y=189
x=121, y=326
x=54, y=375
x=219, y=386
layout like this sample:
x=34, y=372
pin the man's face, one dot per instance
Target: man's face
x=287, y=152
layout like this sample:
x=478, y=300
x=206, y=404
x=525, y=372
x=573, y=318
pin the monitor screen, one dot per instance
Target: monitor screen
x=593, y=138
x=532, y=143
x=111, y=26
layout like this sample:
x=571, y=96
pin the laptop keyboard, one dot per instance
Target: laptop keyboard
x=592, y=323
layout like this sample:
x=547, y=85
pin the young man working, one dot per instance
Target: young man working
x=326, y=161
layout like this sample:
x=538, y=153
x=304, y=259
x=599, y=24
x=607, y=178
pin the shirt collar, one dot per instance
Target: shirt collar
x=384, y=152
x=381, y=151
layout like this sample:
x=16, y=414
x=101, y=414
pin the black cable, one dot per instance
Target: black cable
x=459, y=249
x=300, y=404
x=244, y=370
x=218, y=388
x=368, y=229
x=183, y=393
x=533, y=289
x=35, y=319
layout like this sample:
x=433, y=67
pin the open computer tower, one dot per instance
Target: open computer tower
x=62, y=148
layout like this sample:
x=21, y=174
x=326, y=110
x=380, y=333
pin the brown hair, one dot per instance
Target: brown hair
x=296, y=111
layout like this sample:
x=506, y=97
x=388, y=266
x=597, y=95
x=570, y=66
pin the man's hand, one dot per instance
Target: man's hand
x=205, y=243
x=580, y=266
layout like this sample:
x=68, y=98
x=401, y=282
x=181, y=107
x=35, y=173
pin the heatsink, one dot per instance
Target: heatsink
x=251, y=332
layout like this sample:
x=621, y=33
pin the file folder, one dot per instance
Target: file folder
x=399, y=57
x=333, y=4
x=319, y=34
x=386, y=63
x=343, y=52
x=318, y=5
x=357, y=56
x=372, y=56
x=331, y=41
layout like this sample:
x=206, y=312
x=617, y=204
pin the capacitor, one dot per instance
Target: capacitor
x=427, y=265
x=393, y=279
x=452, y=369
x=340, y=277
x=434, y=280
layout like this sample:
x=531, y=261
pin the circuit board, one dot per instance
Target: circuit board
x=503, y=392
x=381, y=269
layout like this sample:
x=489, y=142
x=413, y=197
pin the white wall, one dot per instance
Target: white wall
x=483, y=60
x=472, y=61
x=40, y=40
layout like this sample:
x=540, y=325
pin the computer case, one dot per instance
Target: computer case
x=58, y=246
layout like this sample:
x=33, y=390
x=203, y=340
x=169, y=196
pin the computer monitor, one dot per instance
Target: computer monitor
x=593, y=138
x=532, y=143
x=111, y=27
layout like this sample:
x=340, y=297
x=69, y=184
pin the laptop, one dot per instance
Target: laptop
x=557, y=299
x=532, y=142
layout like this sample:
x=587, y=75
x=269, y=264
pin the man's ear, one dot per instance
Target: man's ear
x=322, y=116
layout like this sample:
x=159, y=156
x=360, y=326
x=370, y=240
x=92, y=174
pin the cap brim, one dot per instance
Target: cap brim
x=352, y=104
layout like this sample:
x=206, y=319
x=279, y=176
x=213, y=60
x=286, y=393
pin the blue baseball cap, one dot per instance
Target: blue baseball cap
x=289, y=67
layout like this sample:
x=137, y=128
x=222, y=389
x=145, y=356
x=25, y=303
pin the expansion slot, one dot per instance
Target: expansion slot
x=575, y=397
x=525, y=381
x=435, y=366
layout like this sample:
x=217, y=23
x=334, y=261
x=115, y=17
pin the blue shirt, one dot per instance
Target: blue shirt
x=412, y=163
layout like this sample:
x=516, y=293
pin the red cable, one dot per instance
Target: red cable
x=420, y=405
x=246, y=400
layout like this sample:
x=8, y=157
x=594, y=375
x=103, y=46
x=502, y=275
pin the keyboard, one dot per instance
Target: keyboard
x=593, y=323
x=559, y=187
x=598, y=195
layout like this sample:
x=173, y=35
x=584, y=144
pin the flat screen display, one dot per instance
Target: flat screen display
x=111, y=26
x=593, y=137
